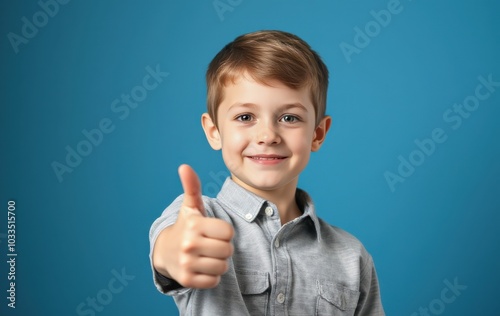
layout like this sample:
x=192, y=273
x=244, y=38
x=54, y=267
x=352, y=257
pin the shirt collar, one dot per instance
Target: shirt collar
x=248, y=205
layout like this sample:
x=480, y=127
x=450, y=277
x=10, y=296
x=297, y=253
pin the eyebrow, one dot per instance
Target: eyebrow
x=295, y=105
x=286, y=106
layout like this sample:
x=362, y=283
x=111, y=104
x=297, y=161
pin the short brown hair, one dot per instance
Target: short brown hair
x=266, y=56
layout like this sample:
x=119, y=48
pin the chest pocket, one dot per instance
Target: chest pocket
x=254, y=287
x=335, y=299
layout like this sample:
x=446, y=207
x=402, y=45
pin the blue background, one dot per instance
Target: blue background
x=440, y=224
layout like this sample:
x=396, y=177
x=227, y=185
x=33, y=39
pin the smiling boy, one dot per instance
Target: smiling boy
x=259, y=248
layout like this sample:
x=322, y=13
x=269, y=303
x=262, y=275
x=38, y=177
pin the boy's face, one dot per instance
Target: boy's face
x=266, y=133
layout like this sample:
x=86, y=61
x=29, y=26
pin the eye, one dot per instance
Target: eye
x=244, y=118
x=289, y=118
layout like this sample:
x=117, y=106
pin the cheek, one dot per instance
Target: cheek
x=233, y=145
x=300, y=143
x=232, y=140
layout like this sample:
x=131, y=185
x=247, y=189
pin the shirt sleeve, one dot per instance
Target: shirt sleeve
x=370, y=303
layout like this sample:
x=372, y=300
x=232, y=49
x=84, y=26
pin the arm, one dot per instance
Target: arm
x=369, y=303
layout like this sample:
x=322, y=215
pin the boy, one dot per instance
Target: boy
x=259, y=248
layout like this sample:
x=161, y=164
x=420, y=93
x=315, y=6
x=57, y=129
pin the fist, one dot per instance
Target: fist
x=195, y=250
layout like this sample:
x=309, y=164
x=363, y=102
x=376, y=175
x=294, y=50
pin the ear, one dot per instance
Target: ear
x=211, y=131
x=320, y=133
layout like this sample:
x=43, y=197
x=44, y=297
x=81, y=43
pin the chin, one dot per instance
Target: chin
x=266, y=185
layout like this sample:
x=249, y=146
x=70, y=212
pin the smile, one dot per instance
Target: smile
x=267, y=159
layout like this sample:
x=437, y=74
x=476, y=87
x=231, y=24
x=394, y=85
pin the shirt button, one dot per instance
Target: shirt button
x=248, y=216
x=269, y=211
x=276, y=243
x=280, y=298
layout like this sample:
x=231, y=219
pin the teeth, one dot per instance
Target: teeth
x=266, y=158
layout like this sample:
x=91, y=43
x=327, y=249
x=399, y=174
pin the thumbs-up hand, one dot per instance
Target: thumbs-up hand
x=194, y=250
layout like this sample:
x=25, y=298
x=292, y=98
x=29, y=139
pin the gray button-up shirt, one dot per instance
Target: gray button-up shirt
x=305, y=267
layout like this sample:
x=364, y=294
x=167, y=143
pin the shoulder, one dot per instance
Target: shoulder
x=344, y=241
x=334, y=239
x=331, y=231
x=214, y=207
x=210, y=204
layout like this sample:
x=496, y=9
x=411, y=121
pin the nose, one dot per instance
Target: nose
x=267, y=134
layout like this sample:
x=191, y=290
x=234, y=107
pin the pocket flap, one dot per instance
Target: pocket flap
x=252, y=282
x=339, y=295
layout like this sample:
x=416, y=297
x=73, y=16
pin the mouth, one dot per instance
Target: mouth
x=267, y=158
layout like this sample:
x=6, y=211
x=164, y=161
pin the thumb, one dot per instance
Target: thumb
x=192, y=189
